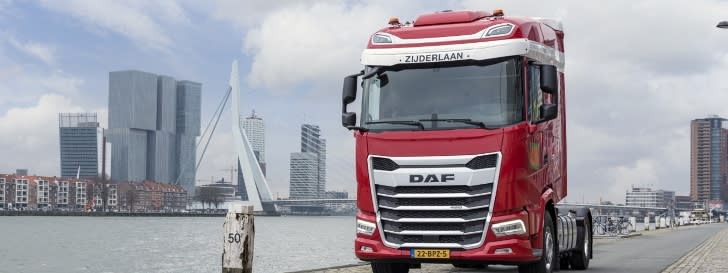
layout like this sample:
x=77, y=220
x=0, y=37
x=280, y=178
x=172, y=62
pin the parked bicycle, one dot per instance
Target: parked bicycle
x=611, y=225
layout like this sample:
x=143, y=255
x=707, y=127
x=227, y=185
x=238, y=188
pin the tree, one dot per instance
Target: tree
x=132, y=196
x=210, y=195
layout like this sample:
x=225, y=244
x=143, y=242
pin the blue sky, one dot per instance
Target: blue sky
x=637, y=73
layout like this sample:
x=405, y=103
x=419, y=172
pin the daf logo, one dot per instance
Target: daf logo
x=431, y=178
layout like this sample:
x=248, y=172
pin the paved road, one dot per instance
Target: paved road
x=651, y=252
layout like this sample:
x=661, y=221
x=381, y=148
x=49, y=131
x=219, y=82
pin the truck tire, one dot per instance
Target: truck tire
x=548, y=256
x=579, y=259
x=390, y=267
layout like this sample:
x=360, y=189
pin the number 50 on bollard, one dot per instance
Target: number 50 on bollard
x=239, y=231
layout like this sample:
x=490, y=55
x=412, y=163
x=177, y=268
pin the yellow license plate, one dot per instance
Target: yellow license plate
x=430, y=253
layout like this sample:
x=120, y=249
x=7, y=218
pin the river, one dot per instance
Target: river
x=167, y=244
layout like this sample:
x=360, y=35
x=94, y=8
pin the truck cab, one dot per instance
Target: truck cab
x=461, y=145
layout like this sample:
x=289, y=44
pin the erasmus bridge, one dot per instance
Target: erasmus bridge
x=256, y=186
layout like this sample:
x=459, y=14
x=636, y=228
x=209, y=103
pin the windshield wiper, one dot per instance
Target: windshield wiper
x=403, y=122
x=461, y=120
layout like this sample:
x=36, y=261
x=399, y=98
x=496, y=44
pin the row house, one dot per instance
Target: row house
x=148, y=196
x=54, y=193
x=67, y=194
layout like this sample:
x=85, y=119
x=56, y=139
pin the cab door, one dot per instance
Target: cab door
x=540, y=139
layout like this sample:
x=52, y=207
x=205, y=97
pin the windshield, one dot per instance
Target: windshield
x=444, y=96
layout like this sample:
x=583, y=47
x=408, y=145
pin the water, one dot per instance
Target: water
x=167, y=244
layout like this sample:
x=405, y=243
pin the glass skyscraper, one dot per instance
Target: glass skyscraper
x=708, y=159
x=305, y=182
x=154, y=122
x=81, y=140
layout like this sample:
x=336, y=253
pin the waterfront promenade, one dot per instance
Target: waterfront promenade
x=686, y=249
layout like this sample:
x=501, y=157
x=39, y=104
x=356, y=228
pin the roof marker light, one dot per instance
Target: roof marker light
x=499, y=30
x=379, y=38
x=498, y=12
x=394, y=21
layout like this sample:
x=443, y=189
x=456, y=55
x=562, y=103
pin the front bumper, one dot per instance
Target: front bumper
x=371, y=248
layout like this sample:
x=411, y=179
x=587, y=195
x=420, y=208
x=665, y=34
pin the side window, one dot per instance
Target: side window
x=535, y=96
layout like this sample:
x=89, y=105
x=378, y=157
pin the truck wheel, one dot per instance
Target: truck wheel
x=579, y=259
x=390, y=268
x=548, y=256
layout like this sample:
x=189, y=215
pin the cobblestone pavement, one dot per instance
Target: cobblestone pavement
x=707, y=257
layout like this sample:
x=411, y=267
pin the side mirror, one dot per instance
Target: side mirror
x=348, y=93
x=348, y=119
x=549, y=79
x=548, y=112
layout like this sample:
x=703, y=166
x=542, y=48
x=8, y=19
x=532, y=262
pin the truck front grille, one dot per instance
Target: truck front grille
x=454, y=221
x=447, y=216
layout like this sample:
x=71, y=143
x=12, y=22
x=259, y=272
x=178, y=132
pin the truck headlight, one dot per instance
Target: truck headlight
x=364, y=227
x=512, y=227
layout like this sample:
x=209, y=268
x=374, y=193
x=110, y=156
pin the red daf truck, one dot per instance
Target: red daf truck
x=461, y=145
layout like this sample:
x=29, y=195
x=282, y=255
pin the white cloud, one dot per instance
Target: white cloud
x=42, y=52
x=142, y=22
x=637, y=73
x=21, y=85
x=242, y=14
x=31, y=135
x=314, y=43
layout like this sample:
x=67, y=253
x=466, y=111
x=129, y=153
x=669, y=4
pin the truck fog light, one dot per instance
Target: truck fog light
x=503, y=251
x=513, y=227
x=364, y=227
x=366, y=249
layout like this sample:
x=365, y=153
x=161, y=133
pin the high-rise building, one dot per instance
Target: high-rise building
x=313, y=146
x=254, y=128
x=647, y=197
x=189, y=96
x=304, y=176
x=154, y=122
x=81, y=144
x=311, y=142
x=708, y=160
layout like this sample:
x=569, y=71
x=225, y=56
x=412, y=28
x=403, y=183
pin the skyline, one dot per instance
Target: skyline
x=628, y=127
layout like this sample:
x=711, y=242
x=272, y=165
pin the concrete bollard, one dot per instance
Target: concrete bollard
x=237, y=253
x=647, y=223
x=633, y=222
x=668, y=222
x=657, y=222
x=722, y=218
x=662, y=222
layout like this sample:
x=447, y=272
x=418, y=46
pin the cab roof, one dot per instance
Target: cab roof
x=456, y=27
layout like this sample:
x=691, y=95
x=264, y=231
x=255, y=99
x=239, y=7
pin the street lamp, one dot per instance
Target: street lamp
x=723, y=24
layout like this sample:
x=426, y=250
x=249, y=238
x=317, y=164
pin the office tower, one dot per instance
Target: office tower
x=304, y=176
x=254, y=128
x=153, y=125
x=708, y=160
x=81, y=144
x=312, y=147
x=189, y=96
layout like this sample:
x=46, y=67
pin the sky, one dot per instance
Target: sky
x=636, y=74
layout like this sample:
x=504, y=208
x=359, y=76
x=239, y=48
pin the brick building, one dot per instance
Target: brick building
x=20, y=192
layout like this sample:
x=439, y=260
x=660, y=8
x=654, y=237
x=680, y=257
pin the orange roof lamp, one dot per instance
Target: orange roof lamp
x=394, y=21
x=497, y=12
